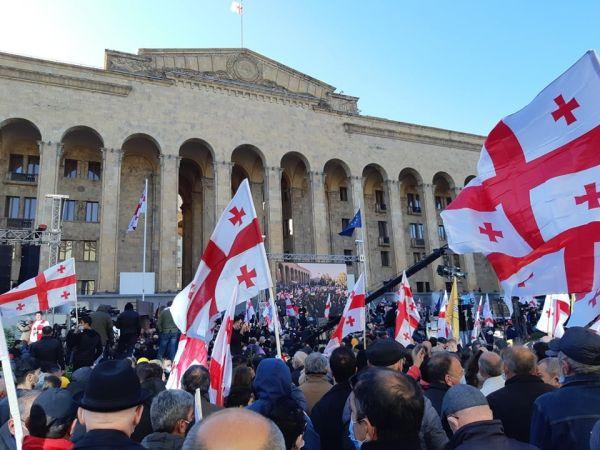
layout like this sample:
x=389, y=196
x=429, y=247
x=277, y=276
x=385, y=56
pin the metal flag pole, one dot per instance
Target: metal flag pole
x=144, y=249
x=363, y=259
x=275, y=321
x=242, y=24
x=11, y=389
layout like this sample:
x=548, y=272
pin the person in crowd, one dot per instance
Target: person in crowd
x=7, y=430
x=171, y=413
x=198, y=377
x=103, y=325
x=513, y=404
x=472, y=366
x=315, y=384
x=129, y=325
x=51, y=381
x=150, y=376
x=387, y=410
x=86, y=344
x=27, y=374
x=79, y=380
x=548, y=369
x=443, y=372
x=291, y=420
x=298, y=366
x=327, y=414
x=239, y=336
x=235, y=429
x=563, y=419
x=48, y=350
x=50, y=421
x=36, y=328
x=110, y=407
x=240, y=393
x=491, y=372
x=168, y=334
x=471, y=420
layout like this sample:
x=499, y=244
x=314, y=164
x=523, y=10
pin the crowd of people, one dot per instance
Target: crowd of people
x=97, y=390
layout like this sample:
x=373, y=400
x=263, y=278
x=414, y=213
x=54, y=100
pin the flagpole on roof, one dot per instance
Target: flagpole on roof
x=242, y=24
x=144, y=249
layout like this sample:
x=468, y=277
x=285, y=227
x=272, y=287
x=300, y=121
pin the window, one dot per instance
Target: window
x=70, y=168
x=385, y=259
x=91, y=211
x=69, y=210
x=382, y=226
x=33, y=165
x=439, y=203
x=65, y=250
x=94, y=170
x=15, y=164
x=343, y=194
x=12, y=207
x=89, y=250
x=414, y=203
x=379, y=199
x=423, y=286
x=416, y=257
x=442, y=232
x=86, y=287
x=345, y=223
x=456, y=260
x=348, y=253
x=416, y=230
x=29, y=208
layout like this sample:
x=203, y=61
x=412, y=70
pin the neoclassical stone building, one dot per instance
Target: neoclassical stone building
x=195, y=123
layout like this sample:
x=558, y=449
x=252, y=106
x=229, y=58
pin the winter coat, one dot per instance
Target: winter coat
x=144, y=428
x=129, y=323
x=326, y=416
x=314, y=388
x=36, y=443
x=104, y=439
x=403, y=444
x=163, y=441
x=513, y=404
x=488, y=435
x=87, y=347
x=48, y=351
x=102, y=324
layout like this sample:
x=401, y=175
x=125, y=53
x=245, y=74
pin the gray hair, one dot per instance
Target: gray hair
x=577, y=367
x=316, y=363
x=519, y=360
x=298, y=359
x=490, y=365
x=168, y=407
x=552, y=366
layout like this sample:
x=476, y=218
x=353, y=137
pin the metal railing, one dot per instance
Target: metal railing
x=384, y=241
x=417, y=242
x=380, y=207
x=23, y=177
x=414, y=210
x=17, y=223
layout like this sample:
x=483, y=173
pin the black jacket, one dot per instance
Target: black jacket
x=403, y=444
x=129, y=323
x=513, y=404
x=48, y=351
x=488, y=435
x=106, y=439
x=163, y=441
x=326, y=416
x=144, y=428
x=435, y=393
x=87, y=347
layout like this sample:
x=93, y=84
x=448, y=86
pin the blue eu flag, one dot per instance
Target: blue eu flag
x=354, y=223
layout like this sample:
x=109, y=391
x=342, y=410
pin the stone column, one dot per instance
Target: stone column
x=169, y=187
x=358, y=200
x=109, y=220
x=50, y=155
x=431, y=224
x=222, y=171
x=319, y=213
x=274, y=230
x=209, y=220
x=398, y=242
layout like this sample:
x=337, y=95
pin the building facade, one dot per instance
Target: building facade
x=195, y=123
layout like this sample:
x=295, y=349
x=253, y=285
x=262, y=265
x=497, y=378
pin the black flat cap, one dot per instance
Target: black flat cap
x=580, y=344
x=385, y=352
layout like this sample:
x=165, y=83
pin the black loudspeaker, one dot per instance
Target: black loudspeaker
x=30, y=262
x=5, y=267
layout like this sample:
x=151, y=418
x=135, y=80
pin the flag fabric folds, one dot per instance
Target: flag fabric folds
x=488, y=318
x=557, y=308
x=237, y=8
x=534, y=206
x=53, y=287
x=407, y=315
x=234, y=257
x=327, y=306
x=452, y=318
x=190, y=352
x=353, y=317
x=586, y=308
x=250, y=313
x=356, y=222
x=443, y=329
x=139, y=209
x=477, y=321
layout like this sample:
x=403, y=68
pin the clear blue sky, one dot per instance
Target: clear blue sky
x=453, y=64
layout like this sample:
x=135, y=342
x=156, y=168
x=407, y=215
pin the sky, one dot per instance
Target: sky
x=460, y=65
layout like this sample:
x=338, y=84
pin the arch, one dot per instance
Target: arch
x=296, y=204
x=468, y=179
x=201, y=153
x=143, y=146
x=374, y=176
x=248, y=148
x=82, y=129
x=442, y=179
x=21, y=121
x=140, y=136
x=295, y=165
x=337, y=173
x=407, y=173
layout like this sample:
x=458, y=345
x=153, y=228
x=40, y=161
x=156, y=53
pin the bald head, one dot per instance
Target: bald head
x=252, y=432
x=490, y=365
x=519, y=360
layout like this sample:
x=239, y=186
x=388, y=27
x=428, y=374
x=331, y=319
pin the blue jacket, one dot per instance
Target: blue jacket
x=564, y=418
x=273, y=382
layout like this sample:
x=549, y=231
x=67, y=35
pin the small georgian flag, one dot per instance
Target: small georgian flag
x=237, y=7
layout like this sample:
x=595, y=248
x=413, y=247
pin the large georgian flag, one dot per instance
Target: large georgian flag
x=53, y=287
x=534, y=207
x=234, y=257
x=353, y=317
x=557, y=308
x=190, y=352
x=407, y=315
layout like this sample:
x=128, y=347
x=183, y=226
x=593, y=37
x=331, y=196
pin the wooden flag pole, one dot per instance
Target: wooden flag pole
x=11, y=389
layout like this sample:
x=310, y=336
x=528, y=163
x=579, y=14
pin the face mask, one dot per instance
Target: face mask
x=357, y=444
x=463, y=380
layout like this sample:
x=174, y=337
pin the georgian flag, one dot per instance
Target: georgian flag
x=477, y=322
x=291, y=310
x=237, y=8
x=139, y=209
x=250, y=313
x=327, y=306
x=221, y=366
x=557, y=308
x=488, y=318
x=443, y=330
x=53, y=287
x=534, y=206
x=234, y=257
x=353, y=317
x=586, y=307
x=190, y=352
x=269, y=316
x=407, y=315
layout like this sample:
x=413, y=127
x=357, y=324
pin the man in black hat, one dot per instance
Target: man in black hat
x=50, y=421
x=110, y=407
x=564, y=418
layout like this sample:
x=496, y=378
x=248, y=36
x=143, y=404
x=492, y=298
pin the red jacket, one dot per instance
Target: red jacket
x=36, y=443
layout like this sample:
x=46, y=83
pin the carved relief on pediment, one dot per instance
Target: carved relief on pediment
x=135, y=65
x=244, y=68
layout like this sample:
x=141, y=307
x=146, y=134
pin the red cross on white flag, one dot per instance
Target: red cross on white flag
x=534, y=207
x=327, y=307
x=53, y=287
x=190, y=352
x=557, y=308
x=407, y=315
x=478, y=320
x=139, y=209
x=234, y=257
x=237, y=7
x=353, y=317
x=443, y=330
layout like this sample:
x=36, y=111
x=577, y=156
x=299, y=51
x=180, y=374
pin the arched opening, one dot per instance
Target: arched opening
x=248, y=162
x=443, y=190
x=469, y=179
x=196, y=207
x=296, y=205
x=340, y=206
x=141, y=155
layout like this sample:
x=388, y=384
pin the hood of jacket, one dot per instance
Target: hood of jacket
x=272, y=382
